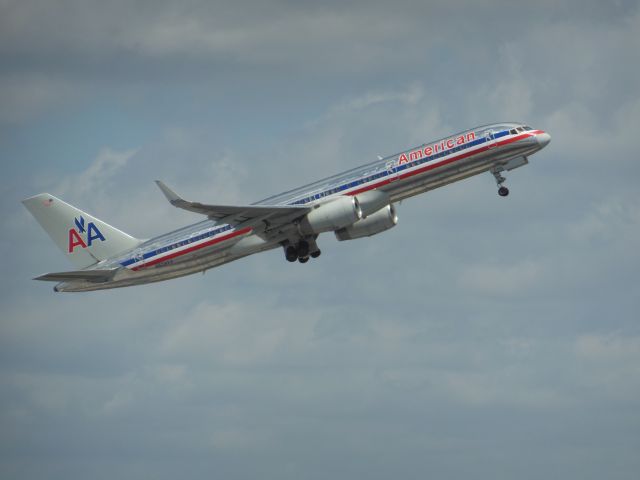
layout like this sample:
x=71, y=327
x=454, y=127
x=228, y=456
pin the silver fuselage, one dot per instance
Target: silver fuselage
x=207, y=244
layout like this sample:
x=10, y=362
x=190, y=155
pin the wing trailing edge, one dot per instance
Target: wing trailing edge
x=234, y=214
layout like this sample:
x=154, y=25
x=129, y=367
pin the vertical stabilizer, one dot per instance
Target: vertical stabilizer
x=83, y=238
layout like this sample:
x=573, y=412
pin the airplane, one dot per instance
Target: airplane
x=355, y=204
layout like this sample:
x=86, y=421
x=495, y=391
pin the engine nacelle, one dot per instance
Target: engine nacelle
x=382, y=220
x=330, y=216
x=372, y=201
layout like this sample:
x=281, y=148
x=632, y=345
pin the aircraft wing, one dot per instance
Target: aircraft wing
x=88, y=275
x=236, y=214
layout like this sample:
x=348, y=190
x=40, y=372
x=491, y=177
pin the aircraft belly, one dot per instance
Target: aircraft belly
x=178, y=267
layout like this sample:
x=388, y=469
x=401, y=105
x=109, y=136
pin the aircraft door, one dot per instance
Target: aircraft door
x=490, y=139
x=138, y=255
x=392, y=170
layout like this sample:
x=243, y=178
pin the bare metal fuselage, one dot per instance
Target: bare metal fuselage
x=495, y=148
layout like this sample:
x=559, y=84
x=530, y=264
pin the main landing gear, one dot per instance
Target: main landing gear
x=301, y=251
x=502, y=190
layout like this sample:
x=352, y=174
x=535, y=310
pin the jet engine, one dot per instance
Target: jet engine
x=382, y=220
x=331, y=216
x=372, y=201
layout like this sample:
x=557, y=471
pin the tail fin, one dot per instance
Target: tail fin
x=82, y=237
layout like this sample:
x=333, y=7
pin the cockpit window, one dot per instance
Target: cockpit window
x=513, y=131
x=527, y=128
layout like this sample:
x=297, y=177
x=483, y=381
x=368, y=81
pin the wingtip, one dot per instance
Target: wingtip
x=170, y=194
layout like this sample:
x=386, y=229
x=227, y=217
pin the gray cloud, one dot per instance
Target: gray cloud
x=481, y=338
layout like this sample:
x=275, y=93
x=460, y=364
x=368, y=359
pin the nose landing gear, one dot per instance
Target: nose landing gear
x=502, y=190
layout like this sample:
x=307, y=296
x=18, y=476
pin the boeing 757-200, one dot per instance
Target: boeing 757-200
x=354, y=204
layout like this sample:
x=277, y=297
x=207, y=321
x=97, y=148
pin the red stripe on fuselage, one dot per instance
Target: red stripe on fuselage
x=403, y=176
x=427, y=167
x=213, y=241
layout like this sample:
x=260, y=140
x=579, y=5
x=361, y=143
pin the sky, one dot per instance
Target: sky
x=482, y=338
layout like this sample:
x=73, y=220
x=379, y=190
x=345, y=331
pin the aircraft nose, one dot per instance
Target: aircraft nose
x=543, y=139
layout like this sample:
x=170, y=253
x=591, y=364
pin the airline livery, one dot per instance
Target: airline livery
x=354, y=204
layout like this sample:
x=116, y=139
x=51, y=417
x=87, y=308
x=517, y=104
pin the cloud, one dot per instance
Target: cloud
x=614, y=221
x=228, y=335
x=97, y=176
x=25, y=97
x=409, y=97
x=502, y=280
x=477, y=329
x=609, y=347
x=500, y=389
x=512, y=94
x=608, y=364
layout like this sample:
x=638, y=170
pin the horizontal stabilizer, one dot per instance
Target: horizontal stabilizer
x=96, y=276
x=233, y=214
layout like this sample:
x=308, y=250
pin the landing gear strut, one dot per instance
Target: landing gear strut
x=302, y=250
x=502, y=190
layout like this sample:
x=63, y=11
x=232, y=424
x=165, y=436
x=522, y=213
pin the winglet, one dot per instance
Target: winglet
x=232, y=214
x=170, y=194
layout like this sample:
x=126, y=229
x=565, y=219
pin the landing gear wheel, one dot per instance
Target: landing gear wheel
x=315, y=254
x=303, y=248
x=303, y=259
x=503, y=191
x=291, y=253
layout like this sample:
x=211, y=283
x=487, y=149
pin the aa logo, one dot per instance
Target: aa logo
x=90, y=232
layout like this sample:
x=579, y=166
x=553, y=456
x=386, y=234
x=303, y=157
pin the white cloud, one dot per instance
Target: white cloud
x=236, y=335
x=608, y=365
x=507, y=387
x=119, y=400
x=239, y=439
x=25, y=97
x=611, y=347
x=613, y=221
x=97, y=176
x=409, y=97
x=502, y=280
x=511, y=96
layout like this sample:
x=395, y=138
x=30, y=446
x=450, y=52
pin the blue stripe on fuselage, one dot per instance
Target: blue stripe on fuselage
x=332, y=191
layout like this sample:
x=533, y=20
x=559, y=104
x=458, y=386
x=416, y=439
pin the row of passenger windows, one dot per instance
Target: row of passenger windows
x=340, y=188
x=386, y=172
x=191, y=240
